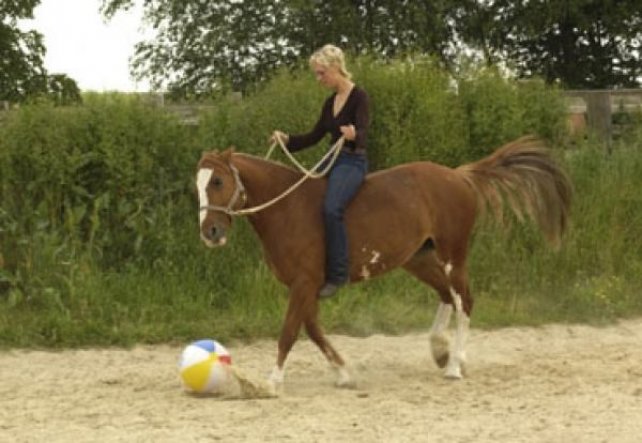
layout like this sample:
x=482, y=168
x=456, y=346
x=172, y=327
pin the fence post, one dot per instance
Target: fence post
x=598, y=109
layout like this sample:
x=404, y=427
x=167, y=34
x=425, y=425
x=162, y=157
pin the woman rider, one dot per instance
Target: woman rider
x=344, y=113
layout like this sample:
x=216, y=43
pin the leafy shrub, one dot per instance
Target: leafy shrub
x=98, y=219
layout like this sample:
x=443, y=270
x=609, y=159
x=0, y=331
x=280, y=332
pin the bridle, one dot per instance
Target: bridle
x=239, y=193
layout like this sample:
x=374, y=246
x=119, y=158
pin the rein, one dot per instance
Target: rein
x=332, y=154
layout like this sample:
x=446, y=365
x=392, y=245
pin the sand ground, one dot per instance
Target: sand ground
x=552, y=384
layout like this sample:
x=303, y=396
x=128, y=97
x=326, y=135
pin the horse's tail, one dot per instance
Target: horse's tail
x=525, y=176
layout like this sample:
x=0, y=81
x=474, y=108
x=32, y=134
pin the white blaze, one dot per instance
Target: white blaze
x=202, y=179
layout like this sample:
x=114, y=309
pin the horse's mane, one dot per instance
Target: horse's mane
x=212, y=157
x=274, y=163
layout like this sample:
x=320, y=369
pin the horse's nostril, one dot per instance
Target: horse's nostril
x=213, y=232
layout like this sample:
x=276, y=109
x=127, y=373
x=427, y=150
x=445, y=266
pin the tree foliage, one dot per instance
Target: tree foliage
x=21, y=53
x=202, y=46
x=580, y=43
x=22, y=71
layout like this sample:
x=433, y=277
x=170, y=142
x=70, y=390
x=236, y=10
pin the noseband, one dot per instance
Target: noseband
x=239, y=192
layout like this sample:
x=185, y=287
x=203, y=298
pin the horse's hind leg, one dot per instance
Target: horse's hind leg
x=463, y=303
x=314, y=331
x=439, y=343
x=428, y=268
x=451, y=283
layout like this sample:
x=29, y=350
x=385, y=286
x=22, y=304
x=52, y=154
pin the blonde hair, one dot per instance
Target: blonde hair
x=330, y=55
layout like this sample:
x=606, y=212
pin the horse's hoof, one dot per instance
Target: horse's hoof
x=455, y=372
x=344, y=380
x=275, y=380
x=439, y=345
x=441, y=360
x=346, y=384
x=453, y=375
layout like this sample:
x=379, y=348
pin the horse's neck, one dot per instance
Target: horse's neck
x=263, y=179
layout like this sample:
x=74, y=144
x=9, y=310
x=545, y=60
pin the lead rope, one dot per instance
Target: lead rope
x=332, y=154
x=334, y=150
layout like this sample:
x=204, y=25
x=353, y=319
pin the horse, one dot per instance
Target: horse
x=418, y=216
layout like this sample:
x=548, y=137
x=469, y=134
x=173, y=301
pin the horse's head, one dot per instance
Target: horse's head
x=220, y=192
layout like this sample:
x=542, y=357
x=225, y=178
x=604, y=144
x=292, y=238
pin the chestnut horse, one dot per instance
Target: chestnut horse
x=418, y=216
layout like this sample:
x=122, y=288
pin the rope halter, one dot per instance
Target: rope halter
x=330, y=156
x=239, y=193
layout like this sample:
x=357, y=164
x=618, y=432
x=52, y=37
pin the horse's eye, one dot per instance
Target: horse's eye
x=216, y=182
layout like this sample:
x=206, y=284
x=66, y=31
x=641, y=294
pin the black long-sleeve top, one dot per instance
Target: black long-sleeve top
x=354, y=112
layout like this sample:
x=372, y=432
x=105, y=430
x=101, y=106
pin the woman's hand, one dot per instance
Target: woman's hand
x=279, y=135
x=349, y=132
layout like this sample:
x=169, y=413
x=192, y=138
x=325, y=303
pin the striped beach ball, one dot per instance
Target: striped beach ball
x=204, y=366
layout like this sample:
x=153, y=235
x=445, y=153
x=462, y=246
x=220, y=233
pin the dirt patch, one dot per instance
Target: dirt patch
x=556, y=383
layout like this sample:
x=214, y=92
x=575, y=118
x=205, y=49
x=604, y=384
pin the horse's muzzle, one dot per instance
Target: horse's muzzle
x=214, y=235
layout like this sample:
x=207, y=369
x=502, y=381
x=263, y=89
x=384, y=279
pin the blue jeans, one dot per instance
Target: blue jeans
x=344, y=180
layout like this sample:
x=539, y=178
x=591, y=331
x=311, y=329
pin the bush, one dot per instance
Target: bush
x=418, y=112
x=98, y=221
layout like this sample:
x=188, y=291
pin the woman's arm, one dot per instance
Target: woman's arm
x=301, y=141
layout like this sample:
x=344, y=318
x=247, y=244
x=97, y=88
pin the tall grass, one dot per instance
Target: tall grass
x=98, y=222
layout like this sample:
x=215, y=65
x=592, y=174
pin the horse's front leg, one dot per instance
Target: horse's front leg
x=312, y=327
x=302, y=300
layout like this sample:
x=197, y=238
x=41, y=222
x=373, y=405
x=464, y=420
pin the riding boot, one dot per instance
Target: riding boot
x=329, y=289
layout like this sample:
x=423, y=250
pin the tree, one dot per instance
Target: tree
x=21, y=53
x=204, y=46
x=385, y=28
x=22, y=71
x=580, y=43
x=62, y=89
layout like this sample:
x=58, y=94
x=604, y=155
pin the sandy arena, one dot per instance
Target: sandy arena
x=551, y=384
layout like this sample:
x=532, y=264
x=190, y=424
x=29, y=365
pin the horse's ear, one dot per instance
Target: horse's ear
x=227, y=154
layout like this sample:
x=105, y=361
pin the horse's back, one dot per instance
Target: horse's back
x=413, y=191
x=408, y=204
x=431, y=183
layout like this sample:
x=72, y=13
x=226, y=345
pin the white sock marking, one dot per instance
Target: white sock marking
x=458, y=356
x=277, y=375
x=439, y=342
x=442, y=319
x=344, y=379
